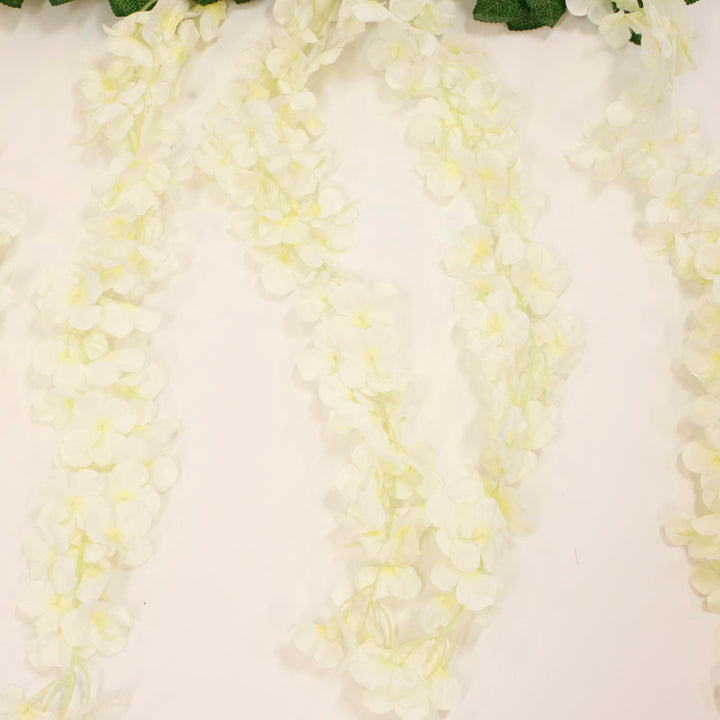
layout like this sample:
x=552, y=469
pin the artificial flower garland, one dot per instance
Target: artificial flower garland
x=676, y=170
x=429, y=549
x=430, y=546
x=111, y=464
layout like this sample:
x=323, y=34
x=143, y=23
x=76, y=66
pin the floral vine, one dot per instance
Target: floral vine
x=111, y=464
x=506, y=290
x=428, y=549
x=676, y=171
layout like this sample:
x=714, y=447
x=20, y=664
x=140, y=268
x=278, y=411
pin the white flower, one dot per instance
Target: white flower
x=540, y=278
x=490, y=176
x=111, y=366
x=400, y=546
x=73, y=494
x=320, y=358
x=705, y=578
x=395, y=46
x=71, y=297
x=363, y=306
x=312, y=300
x=701, y=351
x=673, y=197
x=402, y=583
x=98, y=430
x=369, y=11
x=599, y=153
x=471, y=527
x=46, y=603
x=94, y=580
x=323, y=643
x=211, y=19
x=122, y=42
x=367, y=358
x=45, y=541
x=560, y=340
x=163, y=473
x=99, y=626
x=508, y=452
x=616, y=28
x=703, y=458
x=391, y=682
x=122, y=528
x=428, y=123
x=494, y=321
x=595, y=10
x=130, y=482
x=443, y=166
x=477, y=591
x=121, y=318
x=431, y=15
x=286, y=62
x=416, y=76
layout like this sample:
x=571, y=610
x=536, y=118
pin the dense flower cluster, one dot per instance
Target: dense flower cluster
x=506, y=290
x=101, y=384
x=429, y=548
x=677, y=171
x=11, y=221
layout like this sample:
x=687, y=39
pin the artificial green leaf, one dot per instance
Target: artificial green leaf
x=12, y=3
x=499, y=11
x=546, y=12
x=121, y=8
x=520, y=14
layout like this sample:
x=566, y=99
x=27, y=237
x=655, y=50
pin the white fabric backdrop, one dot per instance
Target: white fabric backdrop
x=597, y=619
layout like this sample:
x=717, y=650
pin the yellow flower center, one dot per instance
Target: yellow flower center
x=77, y=295
x=103, y=425
x=361, y=319
x=115, y=535
x=74, y=504
x=100, y=620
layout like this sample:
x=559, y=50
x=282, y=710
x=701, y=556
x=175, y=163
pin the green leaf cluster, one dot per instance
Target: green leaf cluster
x=526, y=14
x=520, y=14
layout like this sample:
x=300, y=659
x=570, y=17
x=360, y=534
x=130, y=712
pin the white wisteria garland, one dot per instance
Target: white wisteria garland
x=429, y=548
x=676, y=170
x=111, y=466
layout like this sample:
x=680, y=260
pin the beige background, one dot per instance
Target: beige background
x=597, y=620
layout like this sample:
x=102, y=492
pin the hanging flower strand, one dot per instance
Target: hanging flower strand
x=507, y=288
x=397, y=627
x=263, y=148
x=111, y=465
x=676, y=170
